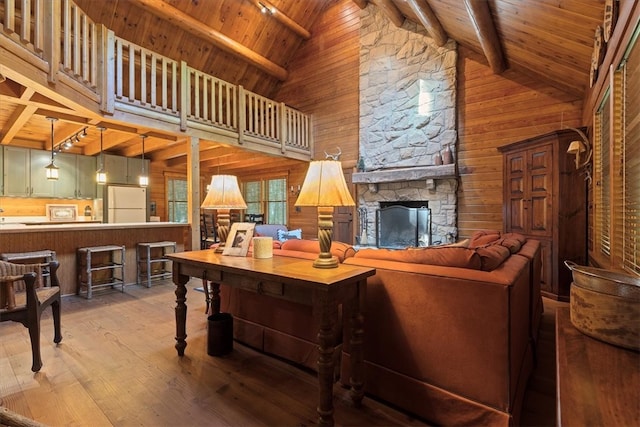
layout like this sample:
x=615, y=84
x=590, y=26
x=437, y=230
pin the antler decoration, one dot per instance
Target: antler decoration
x=333, y=156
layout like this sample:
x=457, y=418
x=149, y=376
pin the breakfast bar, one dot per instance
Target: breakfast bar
x=66, y=239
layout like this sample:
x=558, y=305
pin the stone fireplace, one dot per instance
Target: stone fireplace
x=408, y=128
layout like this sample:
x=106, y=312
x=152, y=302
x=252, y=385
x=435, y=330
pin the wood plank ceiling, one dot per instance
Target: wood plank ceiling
x=235, y=40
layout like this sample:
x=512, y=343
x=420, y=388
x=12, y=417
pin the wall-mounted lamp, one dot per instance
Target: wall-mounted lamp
x=295, y=190
x=144, y=179
x=51, y=168
x=578, y=147
x=101, y=175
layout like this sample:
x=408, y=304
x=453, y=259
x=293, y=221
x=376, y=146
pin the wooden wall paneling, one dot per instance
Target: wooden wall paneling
x=494, y=110
x=324, y=82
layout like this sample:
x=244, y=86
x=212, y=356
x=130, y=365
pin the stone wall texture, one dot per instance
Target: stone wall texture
x=407, y=117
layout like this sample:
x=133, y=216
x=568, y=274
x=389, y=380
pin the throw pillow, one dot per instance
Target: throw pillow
x=291, y=234
x=492, y=256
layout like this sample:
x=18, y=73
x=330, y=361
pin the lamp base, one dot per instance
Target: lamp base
x=326, y=262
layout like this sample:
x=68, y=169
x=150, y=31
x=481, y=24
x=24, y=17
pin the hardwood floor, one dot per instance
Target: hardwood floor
x=117, y=366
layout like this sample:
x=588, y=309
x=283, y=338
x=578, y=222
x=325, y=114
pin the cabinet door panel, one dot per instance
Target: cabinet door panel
x=538, y=192
x=16, y=171
x=66, y=184
x=539, y=217
x=40, y=185
x=86, y=184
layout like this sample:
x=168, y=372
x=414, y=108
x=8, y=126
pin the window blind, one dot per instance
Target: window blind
x=631, y=170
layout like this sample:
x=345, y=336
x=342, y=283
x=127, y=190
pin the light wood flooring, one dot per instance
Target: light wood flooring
x=117, y=366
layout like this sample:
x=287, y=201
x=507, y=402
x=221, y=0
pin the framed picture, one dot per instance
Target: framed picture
x=61, y=212
x=239, y=238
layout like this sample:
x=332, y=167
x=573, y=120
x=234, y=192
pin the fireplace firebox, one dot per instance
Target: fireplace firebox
x=403, y=225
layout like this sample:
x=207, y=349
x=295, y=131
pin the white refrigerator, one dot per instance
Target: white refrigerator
x=126, y=204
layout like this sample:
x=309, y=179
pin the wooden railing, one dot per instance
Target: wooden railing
x=119, y=75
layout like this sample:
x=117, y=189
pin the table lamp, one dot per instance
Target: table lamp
x=223, y=195
x=325, y=187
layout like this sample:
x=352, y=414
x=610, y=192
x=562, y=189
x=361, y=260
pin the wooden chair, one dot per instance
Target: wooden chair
x=208, y=232
x=23, y=299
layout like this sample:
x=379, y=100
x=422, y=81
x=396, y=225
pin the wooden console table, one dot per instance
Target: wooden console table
x=295, y=280
x=598, y=383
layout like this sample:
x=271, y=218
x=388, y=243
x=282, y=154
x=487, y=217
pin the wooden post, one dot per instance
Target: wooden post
x=52, y=40
x=184, y=96
x=242, y=113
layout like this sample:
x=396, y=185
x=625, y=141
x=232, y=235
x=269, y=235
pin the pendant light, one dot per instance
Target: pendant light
x=144, y=179
x=101, y=175
x=51, y=168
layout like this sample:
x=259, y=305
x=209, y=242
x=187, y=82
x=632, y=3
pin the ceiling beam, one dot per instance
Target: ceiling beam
x=482, y=20
x=391, y=10
x=282, y=18
x=199, y=29
x=20, y=116
x=429, y=20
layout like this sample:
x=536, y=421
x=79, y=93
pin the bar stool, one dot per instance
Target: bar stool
x=150, y=254
x=100, y=266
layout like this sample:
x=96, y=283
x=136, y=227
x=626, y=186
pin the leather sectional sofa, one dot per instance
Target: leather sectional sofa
x=449, y=331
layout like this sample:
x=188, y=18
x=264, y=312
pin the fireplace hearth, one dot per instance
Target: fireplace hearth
x=403, y=225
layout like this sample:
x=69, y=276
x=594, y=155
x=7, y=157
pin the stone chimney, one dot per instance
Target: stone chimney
x=408, y=129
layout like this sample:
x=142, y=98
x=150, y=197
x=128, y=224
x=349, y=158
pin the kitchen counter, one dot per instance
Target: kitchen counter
x=10, y=227
x=65, y=239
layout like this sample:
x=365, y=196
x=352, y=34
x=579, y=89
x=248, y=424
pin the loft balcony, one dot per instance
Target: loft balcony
x=53, y=47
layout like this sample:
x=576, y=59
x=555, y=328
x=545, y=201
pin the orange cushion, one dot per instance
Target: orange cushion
x=445, y=256
x=338, y=249
x=482, y=237
x=492, y=256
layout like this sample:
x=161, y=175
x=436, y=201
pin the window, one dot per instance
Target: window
x=267, y=196
x=602, y=175
x=177, y=203
x=616, y=193
x=630, y=249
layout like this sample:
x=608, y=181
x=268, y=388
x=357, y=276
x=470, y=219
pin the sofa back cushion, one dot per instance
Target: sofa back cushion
x=483, y=237
x=270, y=230
x=492, y=256
x=445, y=256
x=338, y=249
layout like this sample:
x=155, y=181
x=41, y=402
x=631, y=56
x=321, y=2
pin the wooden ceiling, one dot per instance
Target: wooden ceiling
x=550, y=40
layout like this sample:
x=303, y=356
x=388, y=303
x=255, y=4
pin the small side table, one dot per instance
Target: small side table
x=100, y=266
x=152, y=262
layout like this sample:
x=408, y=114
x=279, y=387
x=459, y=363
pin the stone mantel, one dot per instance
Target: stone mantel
x=417, y=173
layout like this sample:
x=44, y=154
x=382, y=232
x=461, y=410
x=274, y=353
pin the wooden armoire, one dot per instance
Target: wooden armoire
x=545, y=198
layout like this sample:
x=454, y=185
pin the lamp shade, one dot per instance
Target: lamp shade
x=324, y=185
x=576, y=147
x=224, y=193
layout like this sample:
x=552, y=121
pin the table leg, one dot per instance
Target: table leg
x=357, y=344
x=215, y=298
x=326, y=339
x=180, y=280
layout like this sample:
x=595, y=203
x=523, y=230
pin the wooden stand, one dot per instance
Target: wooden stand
x=100, y=266
x=153, y=254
